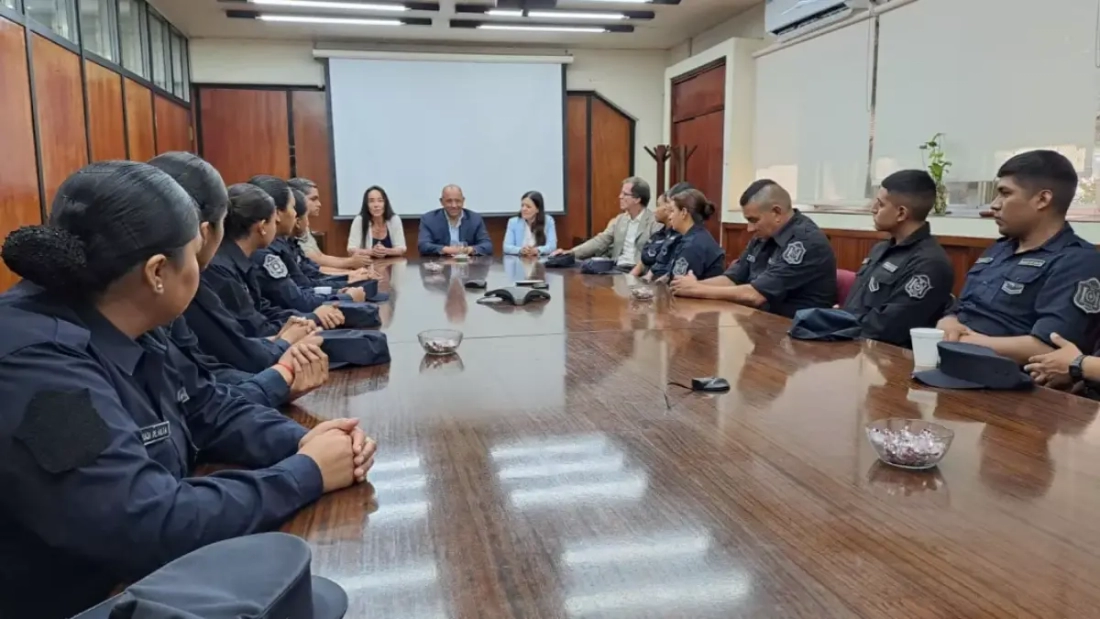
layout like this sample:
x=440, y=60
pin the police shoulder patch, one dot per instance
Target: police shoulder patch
x=274, y=266
x=1087, y=297
x=681, y=267
x=794, y=253
x=873, y=285
x=62, y=430
x=918, y=286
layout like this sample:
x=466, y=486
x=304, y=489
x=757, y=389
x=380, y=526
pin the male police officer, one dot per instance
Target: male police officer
x=787, y=266
x=1040, y=277
x=906, y=281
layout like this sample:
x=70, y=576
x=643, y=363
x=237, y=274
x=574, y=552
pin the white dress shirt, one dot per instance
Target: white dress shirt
x=528, y=236
x=630, y=242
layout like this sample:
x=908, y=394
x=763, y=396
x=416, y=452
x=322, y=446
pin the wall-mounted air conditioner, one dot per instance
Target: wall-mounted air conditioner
x=787, y=18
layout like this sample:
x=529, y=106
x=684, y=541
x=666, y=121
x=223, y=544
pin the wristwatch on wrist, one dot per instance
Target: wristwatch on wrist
x=1076, y=368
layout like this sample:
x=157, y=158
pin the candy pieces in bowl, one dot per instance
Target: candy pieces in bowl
x=440, y=341
x=643, y=292
x=909, y=443
x=433, y=267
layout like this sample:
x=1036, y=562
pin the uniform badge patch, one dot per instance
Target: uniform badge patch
x=1031, y=262
x=681, y=267
x=1012, y=288
x=873, y=286
x=794, y=253
x=750, y=258
x=890, y=266
x=1087, y=298
x=984, y=260
x=274, y=266
x=918, y=286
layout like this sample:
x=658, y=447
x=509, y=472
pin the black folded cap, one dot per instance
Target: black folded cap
x=969, y=366
x=597, y=266
x=826, y=325
x=345, y=347
x=370, y=286
x=359, y=315
x=561, y=261
x=263, y=576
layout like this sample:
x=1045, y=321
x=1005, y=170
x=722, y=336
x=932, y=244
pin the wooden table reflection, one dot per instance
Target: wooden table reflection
x=550, y=470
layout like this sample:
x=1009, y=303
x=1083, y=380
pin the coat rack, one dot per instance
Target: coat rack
x=680, y=157
x=661, y=154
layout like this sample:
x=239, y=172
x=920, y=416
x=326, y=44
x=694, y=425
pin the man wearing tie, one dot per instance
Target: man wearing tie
x=453, y=230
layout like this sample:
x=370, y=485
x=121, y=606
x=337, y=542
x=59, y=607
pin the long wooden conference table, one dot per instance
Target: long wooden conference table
x=550, y=470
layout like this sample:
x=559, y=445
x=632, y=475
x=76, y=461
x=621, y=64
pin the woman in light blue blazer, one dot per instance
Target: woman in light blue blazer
x=532, y=232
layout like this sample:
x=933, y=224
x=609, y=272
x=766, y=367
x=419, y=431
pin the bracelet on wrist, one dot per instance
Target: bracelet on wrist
x=287, y=367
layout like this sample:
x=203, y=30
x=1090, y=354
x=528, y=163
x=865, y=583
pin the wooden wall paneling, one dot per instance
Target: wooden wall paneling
x=611, y=156
x=140, y=130
x=105, y=116
x=173, y=126
x=852, y=246
x=59, y=92
x=245, y=132
x=700, y=92
x=312, y=156
x=573, y=227
x=19, y=203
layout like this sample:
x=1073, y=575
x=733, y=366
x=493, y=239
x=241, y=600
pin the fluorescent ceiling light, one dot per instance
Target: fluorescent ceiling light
x=568, y=15
x=541, y=28
x=344, y=21
x=504, y=13
x=623, y=1
x=326, y=4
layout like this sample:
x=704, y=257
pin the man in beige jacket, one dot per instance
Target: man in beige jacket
x=624, y=237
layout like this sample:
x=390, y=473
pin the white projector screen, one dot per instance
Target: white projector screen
x=412, y=127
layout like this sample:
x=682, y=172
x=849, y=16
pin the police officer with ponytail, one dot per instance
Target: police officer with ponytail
x=100, y=433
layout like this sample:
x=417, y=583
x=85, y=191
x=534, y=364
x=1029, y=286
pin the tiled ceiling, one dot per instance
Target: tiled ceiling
x=670, y=24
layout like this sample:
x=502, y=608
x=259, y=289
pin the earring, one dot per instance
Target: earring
x=159, y=287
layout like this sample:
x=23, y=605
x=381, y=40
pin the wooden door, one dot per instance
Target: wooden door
x=698, y=121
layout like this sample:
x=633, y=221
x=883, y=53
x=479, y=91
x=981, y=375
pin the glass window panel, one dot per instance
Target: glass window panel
x=177, y=65
x=96, y=29
x=134, y=33
x=158, y=36
x=186, y=71
x=9, y=3
x=57, y=15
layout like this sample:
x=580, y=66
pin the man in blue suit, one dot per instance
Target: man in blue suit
x=453, y=230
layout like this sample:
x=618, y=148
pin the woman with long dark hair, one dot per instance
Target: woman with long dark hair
x=377, y=230
x=531, y=232
x=101, y=432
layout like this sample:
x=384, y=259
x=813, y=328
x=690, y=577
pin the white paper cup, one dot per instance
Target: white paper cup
x=322, y=290
x=925, y=351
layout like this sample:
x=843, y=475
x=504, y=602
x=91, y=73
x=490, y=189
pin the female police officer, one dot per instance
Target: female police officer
x=249, y=226
x=693, y=249
x=288, y=371
x=99, y=433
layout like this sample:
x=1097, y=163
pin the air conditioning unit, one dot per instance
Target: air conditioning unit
x=789, y=18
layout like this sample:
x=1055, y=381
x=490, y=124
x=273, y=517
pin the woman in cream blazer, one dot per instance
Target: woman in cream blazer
x=377, y=230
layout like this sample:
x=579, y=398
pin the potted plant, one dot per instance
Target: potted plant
x=937, y=164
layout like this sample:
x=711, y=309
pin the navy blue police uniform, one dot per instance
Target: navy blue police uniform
x=307, y=273
x=794, y=269
x=1054, y=288
x=99, y=437
x=902, y=286
x=652, y=249
x=221, y=335
x=695, y=251
x=233, y=278
x=266, y=388
x=281, y=290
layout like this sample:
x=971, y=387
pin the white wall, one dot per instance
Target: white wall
x=748, y=24
x=632, y=80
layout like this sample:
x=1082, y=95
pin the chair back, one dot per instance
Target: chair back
x=844, y=281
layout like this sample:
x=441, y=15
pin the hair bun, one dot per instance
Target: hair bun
x=50, y=257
